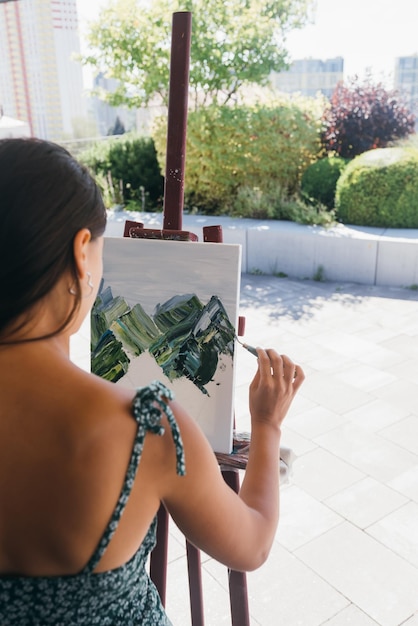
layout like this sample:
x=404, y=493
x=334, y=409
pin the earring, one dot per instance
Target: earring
x=89, y=284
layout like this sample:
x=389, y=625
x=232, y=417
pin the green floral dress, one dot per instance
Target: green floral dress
x=120, y=597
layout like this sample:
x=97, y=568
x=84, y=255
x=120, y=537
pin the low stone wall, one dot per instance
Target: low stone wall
x=370, y=256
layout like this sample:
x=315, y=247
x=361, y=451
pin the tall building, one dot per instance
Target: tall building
x=105, y=114
x=406, y=80
x=40, y=83
x=310, y=76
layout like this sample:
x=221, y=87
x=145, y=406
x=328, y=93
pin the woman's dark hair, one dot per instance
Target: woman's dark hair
x=46, y=197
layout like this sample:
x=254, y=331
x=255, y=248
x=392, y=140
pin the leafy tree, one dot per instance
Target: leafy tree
x=364, y=116
x=234, y=42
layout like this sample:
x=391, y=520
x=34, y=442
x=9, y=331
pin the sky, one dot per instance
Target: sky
x=369, y=34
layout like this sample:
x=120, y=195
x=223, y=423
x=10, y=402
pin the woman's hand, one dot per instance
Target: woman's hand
x=274, y=386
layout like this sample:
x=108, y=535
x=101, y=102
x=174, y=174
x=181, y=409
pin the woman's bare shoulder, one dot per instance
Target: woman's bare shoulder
x=96, y=391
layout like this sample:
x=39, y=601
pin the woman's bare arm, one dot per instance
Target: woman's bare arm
x=237, y=530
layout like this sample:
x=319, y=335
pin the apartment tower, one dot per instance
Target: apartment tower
x=406, y=80
x=310, y=76
x=40, y=82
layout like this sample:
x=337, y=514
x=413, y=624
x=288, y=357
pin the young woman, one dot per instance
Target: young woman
x=85, y=464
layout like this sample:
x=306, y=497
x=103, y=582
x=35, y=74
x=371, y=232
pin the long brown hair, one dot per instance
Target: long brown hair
x=46, y=197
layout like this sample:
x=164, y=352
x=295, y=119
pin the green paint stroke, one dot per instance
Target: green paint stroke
x=106, y=310
x=136, y=330
x=178, y=310
x=108, y=359
x=184, y=336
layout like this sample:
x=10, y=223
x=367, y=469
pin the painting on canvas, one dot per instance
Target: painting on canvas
x=168, y=310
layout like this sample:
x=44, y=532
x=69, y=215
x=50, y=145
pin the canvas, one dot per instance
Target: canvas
x=168, y=310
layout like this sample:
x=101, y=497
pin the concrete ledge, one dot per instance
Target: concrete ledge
x=370, y=256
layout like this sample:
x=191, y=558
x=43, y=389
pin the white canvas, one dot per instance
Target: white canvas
x=150, y=273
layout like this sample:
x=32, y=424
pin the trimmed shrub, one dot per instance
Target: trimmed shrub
x=319, y=180
x=380, y=188
x=128, y=171
x=363, y=116
x=251, y=147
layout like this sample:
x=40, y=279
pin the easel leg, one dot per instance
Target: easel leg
x=158, y=559
x=238, y=593
x=238, y=597
x=194, y=567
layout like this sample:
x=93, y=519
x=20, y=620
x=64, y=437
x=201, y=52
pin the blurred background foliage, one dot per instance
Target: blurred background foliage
x=281, y=157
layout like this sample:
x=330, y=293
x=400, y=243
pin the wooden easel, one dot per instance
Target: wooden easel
x=172, y=230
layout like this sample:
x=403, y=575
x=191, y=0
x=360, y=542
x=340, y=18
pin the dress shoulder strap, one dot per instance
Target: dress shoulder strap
x=148, y=405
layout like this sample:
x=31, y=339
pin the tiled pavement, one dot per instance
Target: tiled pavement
x=346, y=551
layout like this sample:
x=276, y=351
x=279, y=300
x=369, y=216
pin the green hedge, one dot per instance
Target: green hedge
x=380, y=188
x=319, y=180
x=233, y=148
x=128, y=171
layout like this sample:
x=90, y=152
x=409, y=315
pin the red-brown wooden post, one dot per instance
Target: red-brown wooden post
x=177, y=120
